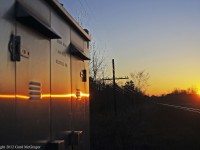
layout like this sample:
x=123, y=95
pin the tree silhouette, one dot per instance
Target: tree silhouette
x=141, y=80
x=97, y=62
x=129, y=87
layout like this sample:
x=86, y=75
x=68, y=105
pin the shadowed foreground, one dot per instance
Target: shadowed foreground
x=147, y=126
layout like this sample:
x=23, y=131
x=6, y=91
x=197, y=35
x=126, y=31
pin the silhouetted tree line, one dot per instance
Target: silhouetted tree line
x=178, y=96
x=101, y=96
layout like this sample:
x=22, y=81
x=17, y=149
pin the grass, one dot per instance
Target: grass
x=147, y=126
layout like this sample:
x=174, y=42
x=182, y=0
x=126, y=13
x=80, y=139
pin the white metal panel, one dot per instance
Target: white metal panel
x=77, y=40
x=32, y=115
x=7, y=74
x=60, y=78
x=35, y=7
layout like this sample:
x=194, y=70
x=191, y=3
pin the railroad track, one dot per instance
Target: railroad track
x=181, y=107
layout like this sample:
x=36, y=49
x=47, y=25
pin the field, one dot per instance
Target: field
x=145, y=126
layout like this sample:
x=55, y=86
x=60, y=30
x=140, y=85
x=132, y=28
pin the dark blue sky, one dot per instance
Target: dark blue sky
x=159, y=36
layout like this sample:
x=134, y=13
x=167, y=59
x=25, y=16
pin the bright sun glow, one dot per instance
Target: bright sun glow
x=198, y=92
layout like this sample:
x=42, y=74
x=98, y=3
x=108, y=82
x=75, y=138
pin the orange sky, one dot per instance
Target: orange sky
x=161, y=37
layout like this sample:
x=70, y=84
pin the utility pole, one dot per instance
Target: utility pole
x=114, y=85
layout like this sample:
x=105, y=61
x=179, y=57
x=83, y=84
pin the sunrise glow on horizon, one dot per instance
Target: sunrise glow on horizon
x=160, y=37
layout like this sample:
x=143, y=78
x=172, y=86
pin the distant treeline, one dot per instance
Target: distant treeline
x=102, y=97
x=187, y=97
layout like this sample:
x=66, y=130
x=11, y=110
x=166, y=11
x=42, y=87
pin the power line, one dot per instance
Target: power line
x=82, y=6
x=85, y=19
x=88, y=6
